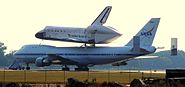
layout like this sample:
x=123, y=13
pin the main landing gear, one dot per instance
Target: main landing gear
x=65, y=68
x=24, y=68
x=89, y=45
x=82, y=68
x=27, y=67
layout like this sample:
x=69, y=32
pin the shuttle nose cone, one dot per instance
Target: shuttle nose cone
x=119, y=34
x=40, y=35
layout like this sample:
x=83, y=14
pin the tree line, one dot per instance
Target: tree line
x=5, y=58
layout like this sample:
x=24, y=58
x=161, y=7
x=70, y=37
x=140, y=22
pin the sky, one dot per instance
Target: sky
x=21, y=19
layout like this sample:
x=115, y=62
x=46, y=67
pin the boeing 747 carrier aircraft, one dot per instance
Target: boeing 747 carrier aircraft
x=96, y=33
x=83, y=57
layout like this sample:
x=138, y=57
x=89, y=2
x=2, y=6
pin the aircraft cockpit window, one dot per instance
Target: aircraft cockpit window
x=22, y=47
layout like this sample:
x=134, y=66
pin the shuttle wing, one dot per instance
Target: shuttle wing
x=72, y=40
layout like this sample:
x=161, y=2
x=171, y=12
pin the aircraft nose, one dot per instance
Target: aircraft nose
x=117, y=34
x=40, y=35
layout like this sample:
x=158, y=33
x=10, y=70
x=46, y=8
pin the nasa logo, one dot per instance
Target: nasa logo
x=148, y=33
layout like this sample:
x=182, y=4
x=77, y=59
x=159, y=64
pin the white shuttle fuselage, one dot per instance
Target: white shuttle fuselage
x=96, y=33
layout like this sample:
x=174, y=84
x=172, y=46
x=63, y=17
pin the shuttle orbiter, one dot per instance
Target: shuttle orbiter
x=96, y=33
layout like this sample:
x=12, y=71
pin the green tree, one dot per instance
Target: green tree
x=5, y=60
x=2, y=50
x=10, y=54
x=9, y=58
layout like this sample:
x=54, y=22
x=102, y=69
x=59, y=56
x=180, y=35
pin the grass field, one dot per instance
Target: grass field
x=34, y=76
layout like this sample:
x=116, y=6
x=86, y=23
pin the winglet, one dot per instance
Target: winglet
x=102, y=18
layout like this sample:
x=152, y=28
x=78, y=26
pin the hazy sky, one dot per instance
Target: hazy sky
x=21, y=19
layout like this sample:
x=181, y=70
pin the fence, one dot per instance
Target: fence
x=47, y=76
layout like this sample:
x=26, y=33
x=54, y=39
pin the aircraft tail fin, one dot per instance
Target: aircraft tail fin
x=147, y=33
x=102, y=18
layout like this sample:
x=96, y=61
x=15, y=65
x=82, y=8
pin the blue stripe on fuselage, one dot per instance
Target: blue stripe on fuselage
x=68, y=54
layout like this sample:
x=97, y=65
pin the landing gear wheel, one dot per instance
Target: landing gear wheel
x=82, y=69
x=65, y=69
x=20, y=68
x=23, y=68
x=27, y=68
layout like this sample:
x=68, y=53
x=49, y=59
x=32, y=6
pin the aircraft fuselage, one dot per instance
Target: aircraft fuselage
x=81, y=55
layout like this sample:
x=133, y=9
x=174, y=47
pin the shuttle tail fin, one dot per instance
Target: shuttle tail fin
x=147, y=33
x=102, y=18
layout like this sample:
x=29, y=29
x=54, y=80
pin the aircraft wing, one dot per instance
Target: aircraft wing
x=124, y=62
x=73, y=39
x=62, y=60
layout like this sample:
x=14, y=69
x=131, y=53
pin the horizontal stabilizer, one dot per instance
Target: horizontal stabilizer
x=146, y=57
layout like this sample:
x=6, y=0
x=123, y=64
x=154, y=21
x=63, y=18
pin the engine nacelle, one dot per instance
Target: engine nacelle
x=42, y=61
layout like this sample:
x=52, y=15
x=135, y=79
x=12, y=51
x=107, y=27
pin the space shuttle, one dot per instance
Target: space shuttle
x=45, y=55
x=96, y=33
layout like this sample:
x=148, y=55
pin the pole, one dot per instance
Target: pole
x=4, y=76
x=142, y=76
x=45, y=77
x=64, y=77
x=129, y=75
x=108, y=75
x=150, y=72
x=88, y=75
x=24, y=76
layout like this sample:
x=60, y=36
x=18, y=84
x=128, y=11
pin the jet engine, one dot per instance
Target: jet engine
x=42, y=61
